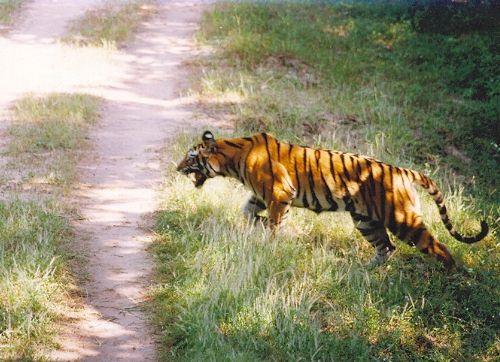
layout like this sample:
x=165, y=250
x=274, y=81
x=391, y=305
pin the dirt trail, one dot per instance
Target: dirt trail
x=140, y=86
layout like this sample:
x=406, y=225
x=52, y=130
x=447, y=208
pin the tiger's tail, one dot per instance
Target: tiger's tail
x=433, y=190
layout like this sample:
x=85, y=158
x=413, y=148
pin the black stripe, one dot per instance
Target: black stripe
x=238, y=169
x=259, y=203
x=425, y=181
x=264, y=190
x=279, y=147
x=313, y=186
x=363, y=190
x=346, y=173
x=245, y=169
x=434, y=192
x=304, y=154
x=344, y=184
x=367, y=231
x=200, y=164
x=228, y=163
x=363, y=187
x=371, y=187
x=232, y=144
x=442, y=210
x=367, y=202
x=349, y=204
x=403, y=231
x=248, y=139
x=360, y=171
x=392, y=222
x=359, y=217
x=357, y=174
x=328, y=192
x=315, y=201
x=270, y=161
x=382, y=193
x=342, y=181
x=304, y=197
x=332, y=168
x=297, y=176
x=416, y=236
x=391, y=176
x=232, y=169
x=402, y=196
x=210, y=166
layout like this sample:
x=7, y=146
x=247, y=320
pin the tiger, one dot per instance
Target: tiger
x=380, y=197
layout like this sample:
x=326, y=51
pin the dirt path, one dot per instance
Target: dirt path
x=117, y=192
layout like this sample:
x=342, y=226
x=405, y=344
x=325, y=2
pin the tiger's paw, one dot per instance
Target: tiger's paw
x=380, y=259
x=259, y=220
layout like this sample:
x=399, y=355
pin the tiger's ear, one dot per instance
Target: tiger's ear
x=209, y=140
x=207, y=136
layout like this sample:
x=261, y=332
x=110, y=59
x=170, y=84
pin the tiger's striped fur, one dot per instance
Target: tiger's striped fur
x=378, y=196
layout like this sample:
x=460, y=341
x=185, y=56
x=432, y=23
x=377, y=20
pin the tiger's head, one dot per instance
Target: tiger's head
x=201, y=161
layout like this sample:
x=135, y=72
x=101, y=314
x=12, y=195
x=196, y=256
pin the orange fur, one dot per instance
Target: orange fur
x=378, y=196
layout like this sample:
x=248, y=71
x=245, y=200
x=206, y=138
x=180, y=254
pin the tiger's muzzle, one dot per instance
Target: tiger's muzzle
x=195, y=175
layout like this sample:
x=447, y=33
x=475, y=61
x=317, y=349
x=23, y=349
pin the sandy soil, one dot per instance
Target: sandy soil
x=140, y=85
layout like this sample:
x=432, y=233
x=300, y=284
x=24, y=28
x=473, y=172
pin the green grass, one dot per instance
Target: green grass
x=113, y=23
x=47, y=136
x=351, y=77
x=33, y=280
x=7, y=8
x=47, y=133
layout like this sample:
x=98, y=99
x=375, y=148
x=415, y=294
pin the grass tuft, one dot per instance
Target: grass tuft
x=33, y=283
x=47, y=133
x=55, y=122
x=7, y=9
x=111, y=24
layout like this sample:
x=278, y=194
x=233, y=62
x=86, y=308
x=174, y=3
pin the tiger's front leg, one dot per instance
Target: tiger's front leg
x=277, y=211
x=282, y=195
x=252, y=208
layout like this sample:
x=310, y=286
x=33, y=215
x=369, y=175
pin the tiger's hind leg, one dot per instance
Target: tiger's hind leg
x=418, y=235
x=374, y=232
x=252, y=208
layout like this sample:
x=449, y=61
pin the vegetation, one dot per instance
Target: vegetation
x=357, y=77
x=7, y=8
x=46, y=136
x=33, y=284
x=114, y=23
x=47, y=133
